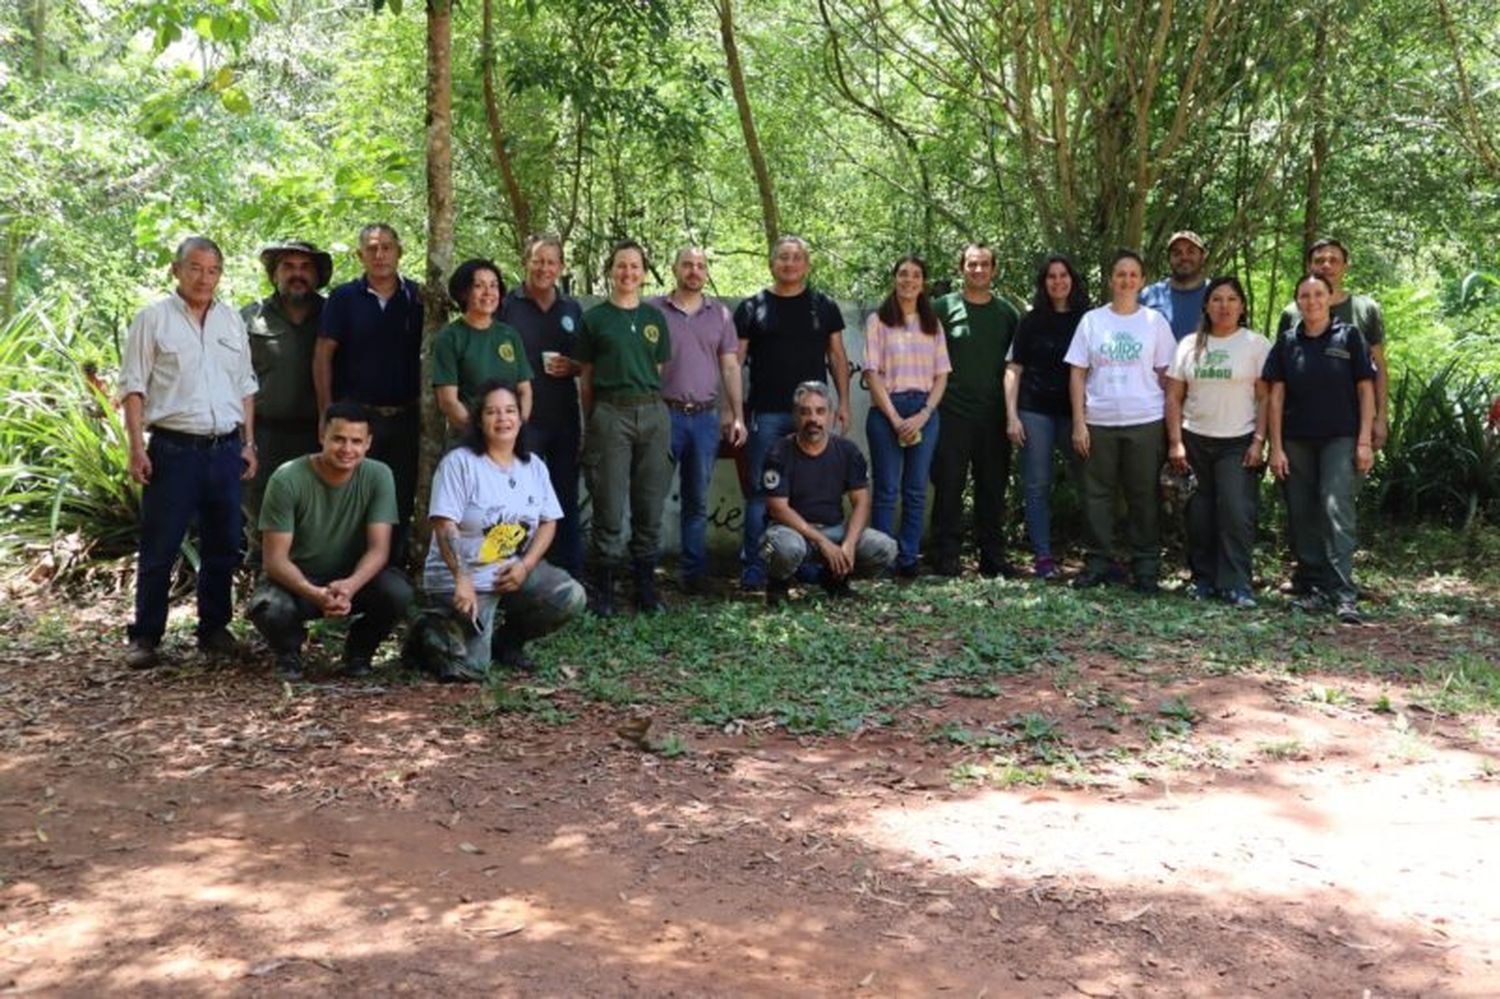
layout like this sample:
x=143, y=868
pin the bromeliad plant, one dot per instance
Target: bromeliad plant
x=66, y=498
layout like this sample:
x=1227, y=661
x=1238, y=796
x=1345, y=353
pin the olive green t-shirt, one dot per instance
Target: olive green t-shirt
x=624, y=346
x=281, y=352
x=1359, y=311
x=327, y=523
x=469, y=357
x=978, y=338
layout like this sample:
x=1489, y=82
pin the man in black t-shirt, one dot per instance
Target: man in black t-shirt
x=805, y=479
x=789, y=334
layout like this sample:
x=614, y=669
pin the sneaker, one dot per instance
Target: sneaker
x=1243, y=599
x=355, y=666
x=289, y=666
x=143, y=654
x=1348, y=613
x=1312, y=603
x=1199, y=590
x=220, y=644
x=777, y=593
x=1043, y=567
x=1089, y=578
x=753, y=579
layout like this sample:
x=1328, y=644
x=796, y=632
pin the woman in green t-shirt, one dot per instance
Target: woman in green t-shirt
x=476, y=347
x=628, y=435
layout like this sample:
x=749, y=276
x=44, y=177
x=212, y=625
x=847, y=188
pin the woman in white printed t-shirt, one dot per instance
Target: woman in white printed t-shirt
x=1119, y=355
x=494, y=514
x=1216, y=424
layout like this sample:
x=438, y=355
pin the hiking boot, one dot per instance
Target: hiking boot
x=220, y=644
x=695, y=586
x=602, y=597
x=1146, y=586
x=839, y=589
x=289, y=666
x=778, y=591
x=509, y=650
x=1043, y=567
x=646, y=599
x=1089, y=578
x=1348, y=613
x=1116, y=573
x=1001, y=568
x=753, y=579
x=356, y=666
x=908, y=570
x=143, y=654
x=1200, y=590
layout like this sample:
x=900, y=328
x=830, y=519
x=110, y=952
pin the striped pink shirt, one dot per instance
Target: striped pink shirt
x=906, y=359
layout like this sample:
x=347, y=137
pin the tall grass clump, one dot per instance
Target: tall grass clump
x=66, y=497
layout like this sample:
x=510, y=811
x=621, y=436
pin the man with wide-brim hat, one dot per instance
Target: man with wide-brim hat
x=283, y=330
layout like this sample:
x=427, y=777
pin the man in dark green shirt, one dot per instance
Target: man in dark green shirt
x=326, y=528
x=283, y=330
x=979, y=326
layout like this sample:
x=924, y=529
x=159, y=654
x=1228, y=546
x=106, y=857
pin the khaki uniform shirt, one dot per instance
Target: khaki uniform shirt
x=193, y=379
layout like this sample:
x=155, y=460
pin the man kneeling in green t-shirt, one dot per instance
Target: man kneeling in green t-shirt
x=326, y=524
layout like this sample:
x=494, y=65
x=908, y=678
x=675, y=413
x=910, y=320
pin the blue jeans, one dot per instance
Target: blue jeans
x=901, y=470
x=1044, y=434
x=695, y=448
x=765, y=430
x=188, y=484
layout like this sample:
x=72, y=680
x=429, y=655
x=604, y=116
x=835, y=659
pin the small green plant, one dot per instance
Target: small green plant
x=671, y=746
x=1281, y=749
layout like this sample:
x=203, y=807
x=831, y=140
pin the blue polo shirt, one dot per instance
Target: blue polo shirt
x=554, y=401
x=379, y=360
x=1183, y=310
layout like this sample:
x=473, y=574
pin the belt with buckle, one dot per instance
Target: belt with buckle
x=692, y=408
x=198, y=442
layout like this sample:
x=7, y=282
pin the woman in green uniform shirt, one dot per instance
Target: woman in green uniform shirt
x=628, y=432
x=476, y=347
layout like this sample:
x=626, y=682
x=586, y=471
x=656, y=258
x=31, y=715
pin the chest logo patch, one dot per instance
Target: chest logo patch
x=507, y=353
x=567, y=324
x=771, y=479
x=651, y=333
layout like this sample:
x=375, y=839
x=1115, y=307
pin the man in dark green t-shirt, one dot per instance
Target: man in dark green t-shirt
x=979, y=326
x=326, y=538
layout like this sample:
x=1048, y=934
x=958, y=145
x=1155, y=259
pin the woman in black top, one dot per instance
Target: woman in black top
x=1037, y=408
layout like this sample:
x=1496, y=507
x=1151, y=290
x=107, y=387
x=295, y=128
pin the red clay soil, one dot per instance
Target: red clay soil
x=195, y=832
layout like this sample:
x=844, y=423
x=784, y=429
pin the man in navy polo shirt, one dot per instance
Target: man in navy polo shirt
x=370, y=351
x=549, y=323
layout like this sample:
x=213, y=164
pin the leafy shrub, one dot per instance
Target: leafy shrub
x=66, y=497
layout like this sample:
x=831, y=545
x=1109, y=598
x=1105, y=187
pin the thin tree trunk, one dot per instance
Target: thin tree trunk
x=1319, y=100
x=520, y=208
x=770, y=218
x=439, y=233
x=38, y=39
x=1480, y=136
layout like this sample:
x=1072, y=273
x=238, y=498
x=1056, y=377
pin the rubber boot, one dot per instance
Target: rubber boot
x=602, y=599
x=646, y=600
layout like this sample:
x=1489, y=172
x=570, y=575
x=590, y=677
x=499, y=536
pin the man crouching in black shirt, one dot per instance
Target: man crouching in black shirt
x=807, y=475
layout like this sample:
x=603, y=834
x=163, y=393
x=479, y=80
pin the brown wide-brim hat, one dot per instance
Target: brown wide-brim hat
x=323, y=262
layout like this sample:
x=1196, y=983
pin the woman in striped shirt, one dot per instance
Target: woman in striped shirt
x=906, y=370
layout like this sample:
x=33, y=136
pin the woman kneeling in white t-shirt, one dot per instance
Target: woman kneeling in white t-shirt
x=1118, y=356
x=494, y=514
x=1216, y=424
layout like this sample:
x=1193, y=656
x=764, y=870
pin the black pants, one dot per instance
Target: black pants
x=558, y=445
x=977, y=444
x=397, y=441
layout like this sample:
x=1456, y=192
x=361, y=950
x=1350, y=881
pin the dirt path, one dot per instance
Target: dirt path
x=196, y=833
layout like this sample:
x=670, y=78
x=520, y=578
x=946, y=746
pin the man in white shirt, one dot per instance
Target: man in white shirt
x=188, y=379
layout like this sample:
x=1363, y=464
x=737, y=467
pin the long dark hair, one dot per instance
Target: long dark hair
x=1078, y=297
x=890, y=310
x=1204, y=324
x=473, y=437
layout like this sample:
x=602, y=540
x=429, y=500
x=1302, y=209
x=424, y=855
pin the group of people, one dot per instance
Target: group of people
x=313, y=404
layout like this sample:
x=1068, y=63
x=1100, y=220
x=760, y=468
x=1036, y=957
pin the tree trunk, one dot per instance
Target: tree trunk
x=38, y=39
x=520, y=208
x=1319, y=101
x=439, y=234
x=768, y=213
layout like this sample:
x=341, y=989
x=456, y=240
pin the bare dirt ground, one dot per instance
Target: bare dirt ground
x=196, y=831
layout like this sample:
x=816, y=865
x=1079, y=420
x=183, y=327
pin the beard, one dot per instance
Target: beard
x=296, y=295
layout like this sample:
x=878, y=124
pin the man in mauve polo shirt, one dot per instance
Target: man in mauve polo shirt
x=186, y=375
x=370, y=351
x=549, y=323
x=705, y=353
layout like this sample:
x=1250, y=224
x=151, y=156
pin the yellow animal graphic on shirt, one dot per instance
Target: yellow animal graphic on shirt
x=501, y=542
